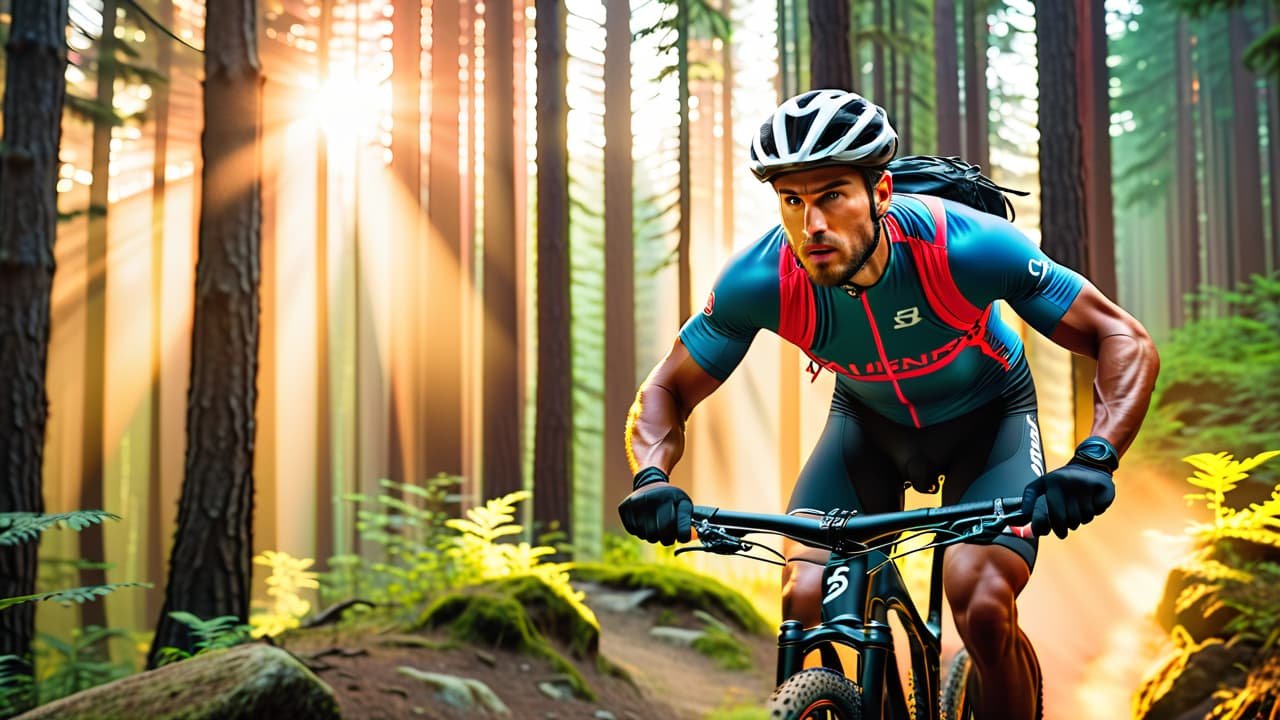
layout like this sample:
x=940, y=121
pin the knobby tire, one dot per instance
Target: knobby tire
x=816, y=694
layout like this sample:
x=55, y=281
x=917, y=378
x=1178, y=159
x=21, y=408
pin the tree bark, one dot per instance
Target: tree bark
x=947, y=77
x=1248, y=231
x=323, y=426
x=553, y=441
x=977, y=145
x=406, y=162
x=442, y=439
x=684, y=272
x=1186, y=198
x=160, y=102
x=501, y=435
x=92, y=451
x=34, y=92
x=830, y=60
x=619, y=255
x=210, y=568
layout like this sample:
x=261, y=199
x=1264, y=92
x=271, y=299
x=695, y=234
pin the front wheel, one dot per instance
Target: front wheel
x=816, y=694
x=956, y=703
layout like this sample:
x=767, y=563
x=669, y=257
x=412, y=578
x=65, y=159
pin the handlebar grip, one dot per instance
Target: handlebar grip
x=704, y=512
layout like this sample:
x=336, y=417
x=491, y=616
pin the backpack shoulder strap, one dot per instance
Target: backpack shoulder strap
x=940, y=289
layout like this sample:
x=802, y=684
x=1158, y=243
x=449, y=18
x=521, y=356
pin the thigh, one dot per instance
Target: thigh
x=1012, y=459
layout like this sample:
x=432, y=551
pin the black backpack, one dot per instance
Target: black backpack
x=953, y=179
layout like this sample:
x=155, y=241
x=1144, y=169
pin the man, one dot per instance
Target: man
x=931, y=384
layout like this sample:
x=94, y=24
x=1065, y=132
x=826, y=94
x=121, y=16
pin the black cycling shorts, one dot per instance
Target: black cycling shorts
x=864, y=461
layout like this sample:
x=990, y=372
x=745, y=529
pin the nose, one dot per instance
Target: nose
x=814, y=221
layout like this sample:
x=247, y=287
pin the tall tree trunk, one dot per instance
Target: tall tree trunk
x=406, y=122
x=325, y=490
x=619, y=254
x=829, y=55
x=1075, y=169
x=553, y=441
x=155, y=478
x=684, y=270
x=1186, y=198
x=210, y=569
x=879, y=77
x=92, y=451
x=1248, y=233
x=977, y=144
x=442, y=438
x=34, y=92
x=946, y=61
x=1273, y=167
x=502, y=465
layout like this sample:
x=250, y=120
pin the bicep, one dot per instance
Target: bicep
x=1091, y=317
x=680, y=375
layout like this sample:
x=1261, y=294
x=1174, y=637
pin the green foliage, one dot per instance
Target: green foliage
x=78, y=664
x=706, y=22
x=1263, y=55
x=16, y=688
x=677, y=586
x=1217, y=383
x=220, y=632
x=78, y=595
x=720, y=644
x=19, y=527
x=739, y=712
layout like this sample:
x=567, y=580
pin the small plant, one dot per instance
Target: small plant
x=1217, y=474
x=79, y=663
x=289, y=577
x=220, y=632
x=15, y=688
x=21, y=527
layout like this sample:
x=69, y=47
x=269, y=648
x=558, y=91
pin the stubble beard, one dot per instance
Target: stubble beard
x=837, y=276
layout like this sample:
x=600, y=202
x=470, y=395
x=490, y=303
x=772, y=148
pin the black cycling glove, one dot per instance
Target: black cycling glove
x=1075, y=493
x=656, y=510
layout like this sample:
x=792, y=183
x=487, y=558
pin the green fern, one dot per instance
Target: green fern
x=19, y=527
x=219, y=632
x=78, y=595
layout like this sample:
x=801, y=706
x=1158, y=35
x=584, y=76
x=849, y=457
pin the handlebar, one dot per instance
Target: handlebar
x=842, y=529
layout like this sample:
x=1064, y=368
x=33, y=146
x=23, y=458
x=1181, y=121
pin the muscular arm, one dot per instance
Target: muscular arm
x=655, y=425
x=1096, y=327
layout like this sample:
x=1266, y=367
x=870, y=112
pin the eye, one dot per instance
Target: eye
x=832, y=195
x=791, y=200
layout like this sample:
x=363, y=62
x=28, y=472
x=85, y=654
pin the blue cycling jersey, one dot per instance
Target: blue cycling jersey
x=895, y=346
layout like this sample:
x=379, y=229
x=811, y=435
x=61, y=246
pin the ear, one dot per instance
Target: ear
x=884, y=192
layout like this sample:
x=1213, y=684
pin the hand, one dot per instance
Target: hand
x=1067, y=498
x=657, y=511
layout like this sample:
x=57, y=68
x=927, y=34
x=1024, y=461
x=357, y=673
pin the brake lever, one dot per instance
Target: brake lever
x=715, y=539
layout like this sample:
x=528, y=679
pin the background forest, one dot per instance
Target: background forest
x=437, y=244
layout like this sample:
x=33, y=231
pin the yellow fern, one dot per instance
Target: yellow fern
x=1220, y=473
x=289, y=577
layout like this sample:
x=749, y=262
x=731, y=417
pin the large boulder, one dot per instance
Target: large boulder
x=240, y=683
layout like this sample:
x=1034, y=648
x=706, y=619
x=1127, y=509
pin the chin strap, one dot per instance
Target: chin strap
x=853, y=289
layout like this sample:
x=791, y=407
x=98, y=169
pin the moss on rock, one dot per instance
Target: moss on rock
x=493, y=615
x=677, y=586
x=240, y=683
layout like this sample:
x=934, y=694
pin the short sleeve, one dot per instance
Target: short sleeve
x=991, y=259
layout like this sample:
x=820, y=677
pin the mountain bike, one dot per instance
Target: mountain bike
x=862, y=586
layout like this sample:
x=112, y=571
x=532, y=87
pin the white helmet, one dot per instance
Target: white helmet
x=823, y=127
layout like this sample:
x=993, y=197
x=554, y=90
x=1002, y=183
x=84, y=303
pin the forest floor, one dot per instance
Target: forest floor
x=642, y=677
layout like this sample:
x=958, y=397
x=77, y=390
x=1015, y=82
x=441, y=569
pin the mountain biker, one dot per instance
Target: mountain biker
x=917, y=399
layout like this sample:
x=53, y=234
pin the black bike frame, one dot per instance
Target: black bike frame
x=861, y=588
x=855, y=613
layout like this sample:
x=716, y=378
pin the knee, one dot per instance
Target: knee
x=987, y=620
x=802, y=593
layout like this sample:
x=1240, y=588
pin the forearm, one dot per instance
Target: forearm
x=655, y=429
x=1126, y=374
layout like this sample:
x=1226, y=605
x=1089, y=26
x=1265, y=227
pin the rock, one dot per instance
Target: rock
x=556, y=690
x=680, y=637
x=1190, y=677
x=239, y=683
x=464, y=693
x=619, y=602
x=604, y=715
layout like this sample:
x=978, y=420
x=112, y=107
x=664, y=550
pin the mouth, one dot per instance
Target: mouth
x=820, y=252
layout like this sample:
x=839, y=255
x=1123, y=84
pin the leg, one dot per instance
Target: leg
x=982, y=583
x=844, y=471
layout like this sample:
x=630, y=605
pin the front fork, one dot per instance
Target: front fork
x=846, y=587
